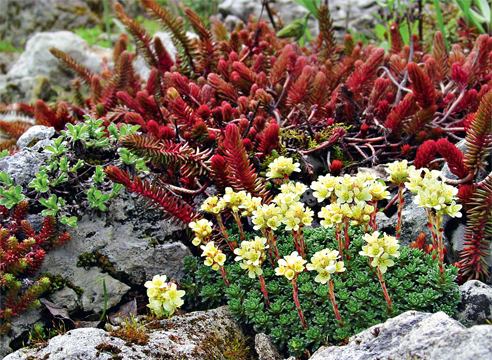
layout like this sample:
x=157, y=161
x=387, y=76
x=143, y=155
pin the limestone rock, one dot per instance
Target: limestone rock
x=265, y=348
x=20, y=19
x=415, y=335
x=198, y=335
x=37, y=59
x=476, y=303
x=36, y=137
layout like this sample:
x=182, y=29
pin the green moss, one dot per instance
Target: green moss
x=96, y=258
x=57, y=282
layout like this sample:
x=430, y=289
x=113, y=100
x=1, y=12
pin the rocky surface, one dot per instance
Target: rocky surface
x=37, y=72
x=346, y=14
x=20, y=19
x=415, y=335
x=198, y=335
x=476, y=303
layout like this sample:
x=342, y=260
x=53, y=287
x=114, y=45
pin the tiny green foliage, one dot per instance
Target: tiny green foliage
x=97, y=199
x=11, y=196
x=40, y=183
x=53, y=204
x=414, y=283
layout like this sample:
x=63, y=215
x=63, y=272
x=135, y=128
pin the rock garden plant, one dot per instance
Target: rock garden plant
x=236, y=115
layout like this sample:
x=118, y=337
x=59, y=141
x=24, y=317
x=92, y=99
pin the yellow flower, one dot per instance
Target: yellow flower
x=252, y=254
x=399, y=171
x=325, y=263
x=214, y=256
x=382, y=262
x=344, y=195
x=212, y=205
x=295, y=188
x=250, y=204
x=234, y=200
x=163, y=295
x=290, y=266
x=323, y=187
x=172, y=299
x=297, y=215
x=202, y=229
x=266, y=216
x=282, y=167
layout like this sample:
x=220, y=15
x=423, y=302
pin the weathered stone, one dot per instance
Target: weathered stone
x=36, y=137
x=93, y=295
x=21, y=326
x=27, y=89
x=37, y=59
x=476, y=303
x=415, y=335
x=198, y=335
x=23, y=165
x=20, y=19
x=265, y=348
x=66, y=298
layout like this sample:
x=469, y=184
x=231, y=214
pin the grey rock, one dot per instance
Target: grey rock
x=415, y=335
x=198, y=335
x=476, y=303
x=231, y=21
x=138, y=243
x=23, y=165
x=37, y=59
x=265, y=348
x=414, y=221
x=20, y=19
x=7, y=59
x=93, y=296
x=66, y=298
x=36, y=137
x=27, y=89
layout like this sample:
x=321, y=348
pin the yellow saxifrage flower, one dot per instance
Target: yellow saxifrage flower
x=297, y=216
x=325, y=263
x=399, y=171
x=252, y=254
x=324, y=187
x=214, y=256
x=213, y=205
x=267, y=216
x=379, y=249
x=282, y=167
x=202, y=229
x=163, y=295
x=234, y=200
x=290, y=266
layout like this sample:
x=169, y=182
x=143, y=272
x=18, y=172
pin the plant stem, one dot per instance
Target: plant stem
x=264, y=290
x=224, y=277
x=338, y=235
x=232, y=245
x=298, y=304
x=385, y=291
x=401, y=201
x=239, y=225
x=273, y=242
x=333, y=302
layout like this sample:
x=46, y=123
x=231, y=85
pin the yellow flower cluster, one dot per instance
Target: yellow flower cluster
x=267, y=216
x=202, y=229
x=325, y=262
x=350, y=197
x=214, y=256
x=380, y=249
x=163, y=295
x=286, y=209
x=213, y=205
x=252, y=254
x=297, y=215
x=290, y=266
x=282, y=167
x=399, y=171
x=433, y=193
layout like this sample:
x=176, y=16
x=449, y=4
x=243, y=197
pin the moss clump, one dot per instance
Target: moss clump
x=57, y=282
x=96, y=258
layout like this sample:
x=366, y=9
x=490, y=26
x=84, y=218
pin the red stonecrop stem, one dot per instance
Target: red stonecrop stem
x=401, y=201
x=385, y=291
x=239, y=225
x=264, y=290
x=224, y=276
x=338, y=235
x=298, y=304
x=232, y=245
x=272, y=239
x=333, y=302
